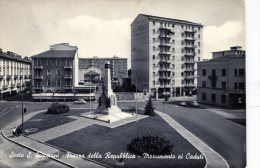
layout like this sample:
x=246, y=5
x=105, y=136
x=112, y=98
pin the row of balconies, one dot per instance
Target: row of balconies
x=41, y=87
x=13, y=85
x=40, y=77
x=40, y=67
x=8, y=77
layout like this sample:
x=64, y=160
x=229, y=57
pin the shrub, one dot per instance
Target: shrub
x=149, y=109
x=57, y=108
x=151, y=144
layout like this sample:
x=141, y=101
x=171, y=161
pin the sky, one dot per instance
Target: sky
x=102, y=27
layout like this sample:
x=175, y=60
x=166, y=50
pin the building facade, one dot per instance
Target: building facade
x=118, y=66
x=221, y=80
x=164, y=55
x=15, y=74
x=54, y=70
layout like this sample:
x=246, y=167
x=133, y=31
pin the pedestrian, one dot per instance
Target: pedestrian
x=14, y=131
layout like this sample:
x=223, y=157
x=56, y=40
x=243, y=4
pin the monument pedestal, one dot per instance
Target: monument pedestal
x=107, y=109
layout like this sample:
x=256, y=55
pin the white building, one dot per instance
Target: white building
x=164, y=53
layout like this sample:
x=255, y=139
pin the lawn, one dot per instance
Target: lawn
x=101, y=139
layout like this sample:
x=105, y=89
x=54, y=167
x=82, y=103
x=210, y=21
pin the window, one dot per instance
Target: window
x=198, y=43
x=235, y=72
x=153, y=82
x=182, y=26
x=173, y=49
x=173, y=66
x=204, y=96
x=204, y=84
x=241, y=86
x=68, y=62
x=58, y=82
x=153, y=74
x=241, y=72
x=198, y=58
x=153, y=48
x=153, y=65
x=58, y=72
x=223, y=99
x=173, y=41
x=48, y=72
x=154, y=23
x=204, y=72
x=213, y=97
x=182, y=34
x=173, y=57
x=173, y=74
x=58, y=62
x=48, y=82
x=154, y=40
x=223, y=72
x=235, y=85
x=153, y=31
x=153, y=56
x=38, y=63
x=172, y=25
x=48, y=62
x=224, y=85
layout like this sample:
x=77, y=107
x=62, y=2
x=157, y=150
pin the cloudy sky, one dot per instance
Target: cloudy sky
x=102, y=27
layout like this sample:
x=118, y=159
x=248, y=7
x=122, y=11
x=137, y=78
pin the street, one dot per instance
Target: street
x=224, y=136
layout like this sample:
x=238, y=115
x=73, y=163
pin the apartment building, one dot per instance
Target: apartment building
x=15, y=74
x=221, y=80
x=164, y=55
x=55, y=74
x=118, y=66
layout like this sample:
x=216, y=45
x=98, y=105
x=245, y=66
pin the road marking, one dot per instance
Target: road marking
x=7, y=111
x=4, y=111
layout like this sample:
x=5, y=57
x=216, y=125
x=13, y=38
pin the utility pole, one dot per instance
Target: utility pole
x=136, y=98
x=22, y=109
x=90, y=94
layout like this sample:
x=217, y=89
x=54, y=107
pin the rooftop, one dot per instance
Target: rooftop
x=12, y=56
x=56, y=54
x=168, y=19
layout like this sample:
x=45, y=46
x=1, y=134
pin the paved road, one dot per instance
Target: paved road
x=224, y=136
x=10, y=112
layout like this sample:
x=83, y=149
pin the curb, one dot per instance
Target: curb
x=36, y=151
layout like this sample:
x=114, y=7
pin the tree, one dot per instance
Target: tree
x=149, y=109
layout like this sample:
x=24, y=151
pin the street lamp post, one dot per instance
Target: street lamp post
x=136, y=98
x=22, y=110
x=90, y=94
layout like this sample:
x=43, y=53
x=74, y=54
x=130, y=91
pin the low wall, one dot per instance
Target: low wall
x=131, y=96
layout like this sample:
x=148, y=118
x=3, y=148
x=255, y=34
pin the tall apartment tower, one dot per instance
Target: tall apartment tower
x=164, y=53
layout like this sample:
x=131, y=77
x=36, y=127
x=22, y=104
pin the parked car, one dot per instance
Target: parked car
x=183, y=104
x=194, y=104
x=80, y=101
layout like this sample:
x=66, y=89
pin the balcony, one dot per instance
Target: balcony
x=1, y=76
x=28, y=83
x=190, y=46
x=189, y=31
x=38, y=77
x=15, y=76
x=189, y=38
x=8, y=77
x=164, y=28
x=39, y=67
x=189, y=77
x=189, y=62
x=165, y=69
x=165, y=78
x=189, y=69
x=165, y=36
x=12, y=85
x=68, y=67
x=18, y=85
x=67, y=87
x=5, y=87
x=164, y=61
x=165, y=45
x=68, y=77
x=189, y=54
x=189, y=85
x=164, y=53
x=21, y=76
